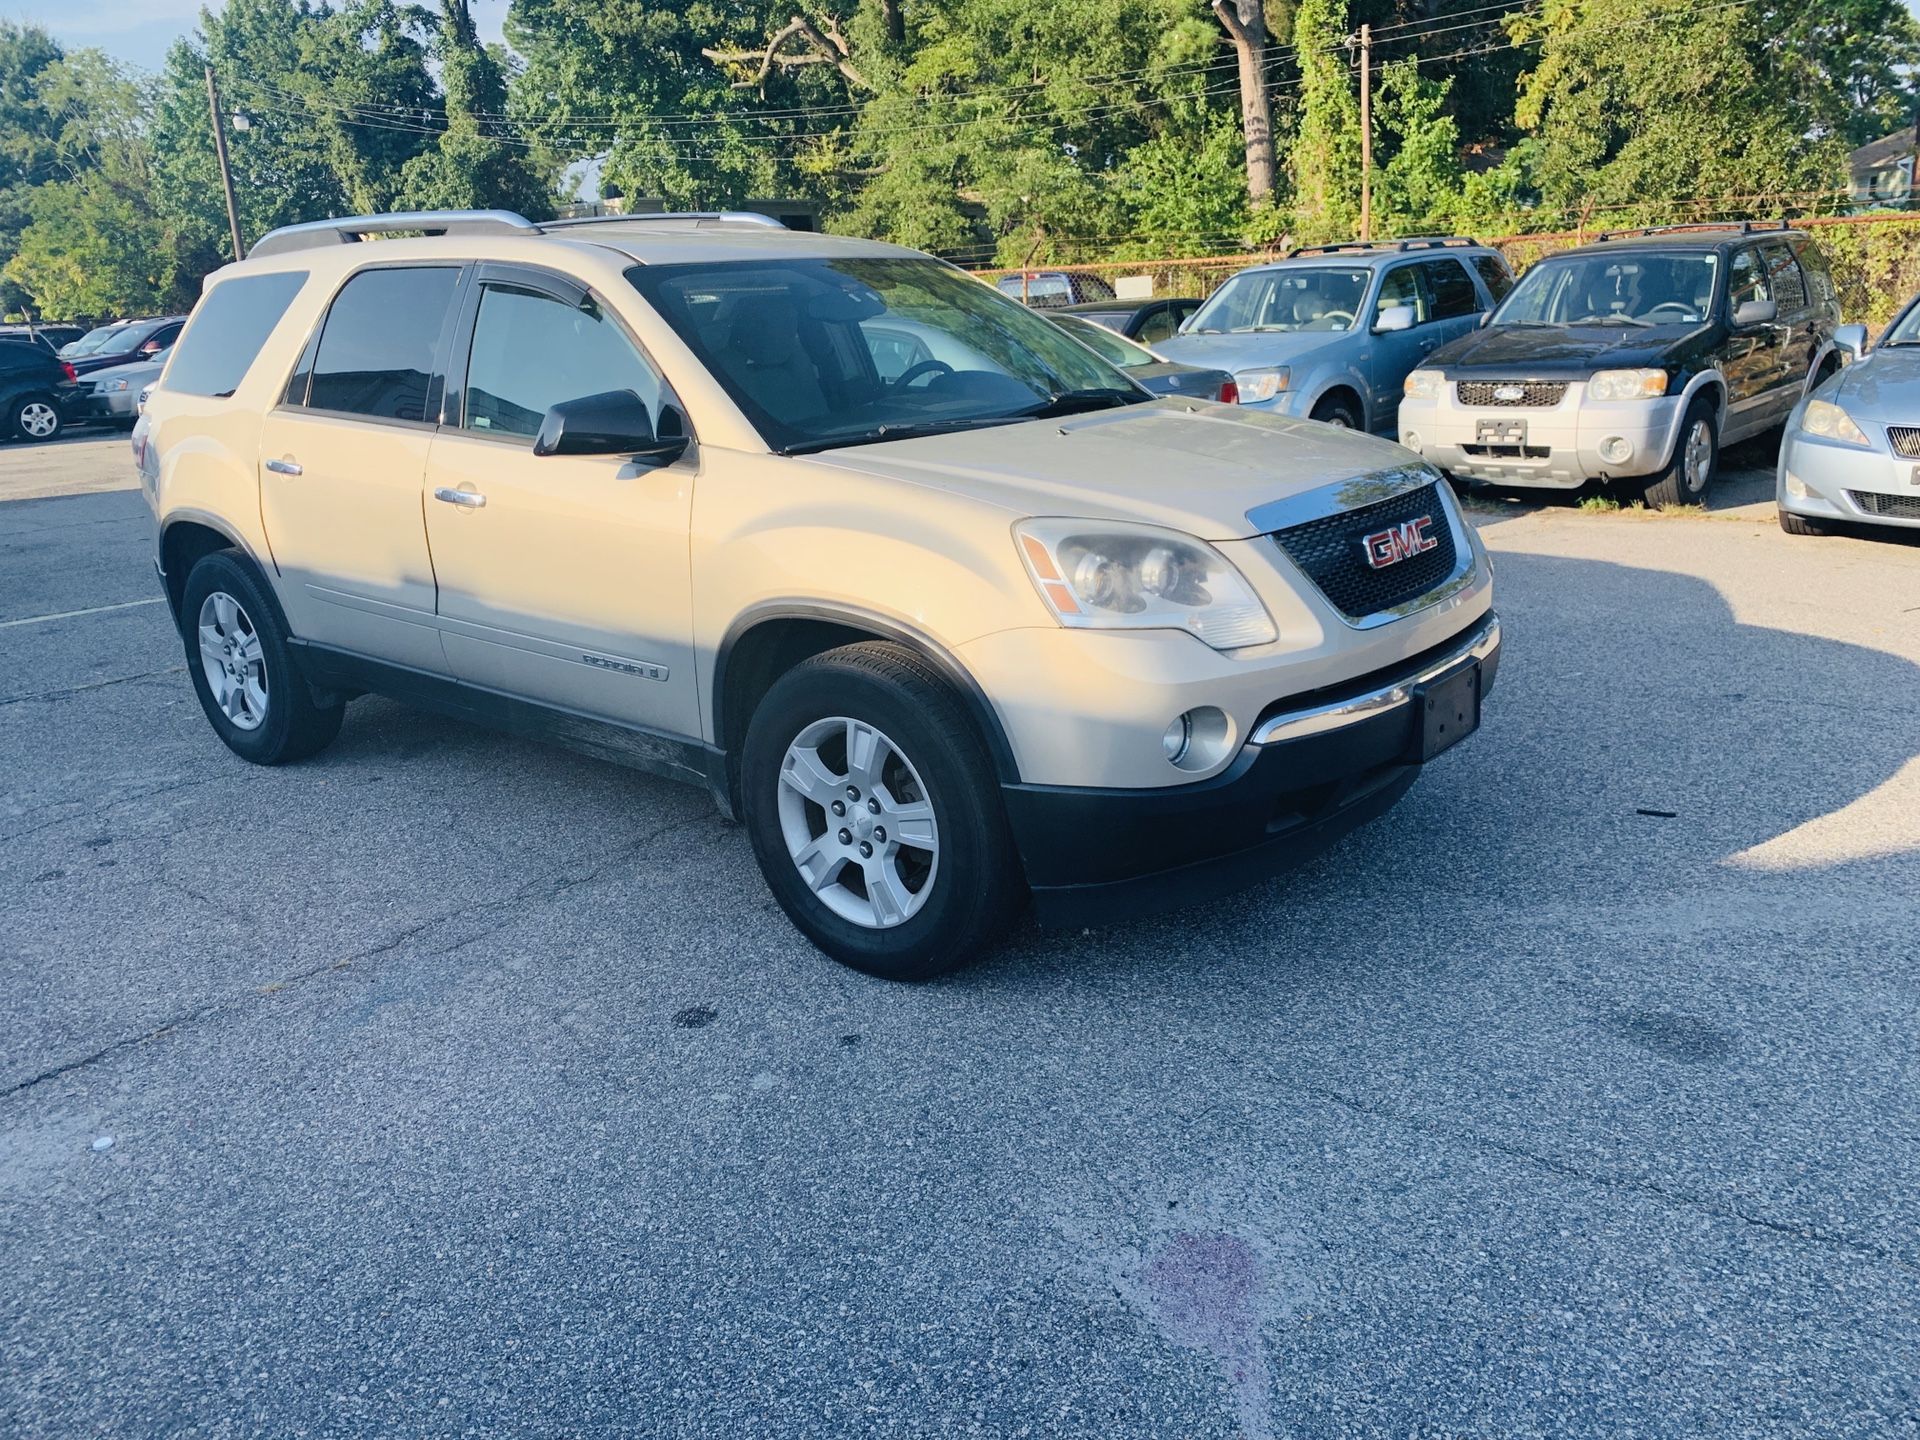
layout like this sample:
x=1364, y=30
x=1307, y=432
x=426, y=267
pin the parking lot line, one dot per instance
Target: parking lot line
x=76, y=614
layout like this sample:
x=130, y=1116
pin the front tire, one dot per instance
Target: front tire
x=243, y=670
x=36, y=418
x=1337, y=411
x=875, y=814
x=1696, y=460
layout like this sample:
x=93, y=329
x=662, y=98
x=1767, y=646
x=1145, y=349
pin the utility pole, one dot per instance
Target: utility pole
x=1366, y=132
x=226, y=170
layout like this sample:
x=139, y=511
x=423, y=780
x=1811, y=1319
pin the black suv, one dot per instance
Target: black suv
x=1631, y=360
x=32, y=397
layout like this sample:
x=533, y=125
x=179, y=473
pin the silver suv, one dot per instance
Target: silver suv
x=994, y=626
x=1331, y=332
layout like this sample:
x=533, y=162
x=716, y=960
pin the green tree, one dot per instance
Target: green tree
x=476, y=163
x=1325, y=155
x=27, y=131
x=1418, y=187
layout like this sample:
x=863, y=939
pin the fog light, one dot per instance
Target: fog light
x=1796, y=487
x=1178, y=737
x=1412, y=441
x=1616, y=449
x=1199, y=739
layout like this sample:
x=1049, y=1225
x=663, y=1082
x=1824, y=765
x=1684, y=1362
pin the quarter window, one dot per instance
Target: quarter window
x=532, y=351
x=228, y=328
x=1451, y=288
x=382, y=336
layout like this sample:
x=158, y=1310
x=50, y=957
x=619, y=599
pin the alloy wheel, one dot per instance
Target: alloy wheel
x=38, y=419
x=1697, y=462
x=858, y=822
x=232, y=661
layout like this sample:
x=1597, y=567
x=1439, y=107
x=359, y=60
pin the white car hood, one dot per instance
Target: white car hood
x=1200, y=469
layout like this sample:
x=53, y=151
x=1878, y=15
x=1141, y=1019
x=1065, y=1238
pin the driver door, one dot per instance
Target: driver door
x=1392, y=354
x=1753, y=356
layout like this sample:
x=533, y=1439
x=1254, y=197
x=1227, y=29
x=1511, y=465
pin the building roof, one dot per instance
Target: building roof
x=1888, y=150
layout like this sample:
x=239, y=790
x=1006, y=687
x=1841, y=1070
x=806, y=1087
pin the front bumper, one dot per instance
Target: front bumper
x=113, y=405
x=1822, y=480
x=1314, y=768
x=1562, y=443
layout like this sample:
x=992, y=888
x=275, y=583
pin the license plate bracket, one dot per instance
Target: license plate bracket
x=1447, y=711
x=1502, y=432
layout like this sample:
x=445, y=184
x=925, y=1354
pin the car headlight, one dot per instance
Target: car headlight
x=114, y=387
x=1262, y=384
x=1103, y=575
x=1627, y=385
x=1423, y=385
x=1830, y=422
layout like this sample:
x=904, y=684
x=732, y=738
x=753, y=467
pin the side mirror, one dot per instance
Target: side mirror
x=1851, y=341
x=1486, y=319
x=614, y=422
x=1755, y=312
x=1394, y=317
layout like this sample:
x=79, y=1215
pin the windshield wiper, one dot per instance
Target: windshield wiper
x=901, y=430
x=1075, y=402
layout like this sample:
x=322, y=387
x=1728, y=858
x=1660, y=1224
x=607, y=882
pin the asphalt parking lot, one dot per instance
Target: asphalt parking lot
x=450, y=1085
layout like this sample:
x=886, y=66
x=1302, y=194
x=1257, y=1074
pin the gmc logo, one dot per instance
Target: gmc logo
x=1402, y=542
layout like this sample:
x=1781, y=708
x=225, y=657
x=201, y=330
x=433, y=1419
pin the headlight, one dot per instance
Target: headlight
x=1261, y=384
x=114, y=387
x=1826, y=419
x=1424, y=385
x=1101, y=575
x=1627, y=385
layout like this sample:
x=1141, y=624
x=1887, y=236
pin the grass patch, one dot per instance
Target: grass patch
x=1599, y=504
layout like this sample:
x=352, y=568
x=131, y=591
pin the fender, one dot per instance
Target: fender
x=220, y=527
x=885, y=626
x=1345, y=378
x=1826, y=352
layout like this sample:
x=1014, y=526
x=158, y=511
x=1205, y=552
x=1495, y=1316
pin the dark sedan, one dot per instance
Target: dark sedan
x=1148, y=321
x=122, y=343
x=1162, y=377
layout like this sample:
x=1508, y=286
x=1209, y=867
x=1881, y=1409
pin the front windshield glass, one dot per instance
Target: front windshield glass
x=1302, y=298
x=821, y=353
x=91, y=341
x=1627, y=289
x=1905, y=330
x=1114, y=349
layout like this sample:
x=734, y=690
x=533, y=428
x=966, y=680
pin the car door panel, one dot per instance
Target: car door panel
x=1798, y=338
x=1752, y=355
x=562, y=578
x=1392, y=354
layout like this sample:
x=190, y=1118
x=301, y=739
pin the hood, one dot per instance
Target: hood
x=1522, y=351
x=130, y=371
x=1885, y=386
x=1250, y=351
x=1199, y=470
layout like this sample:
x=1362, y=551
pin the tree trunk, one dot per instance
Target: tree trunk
x=1246, y=25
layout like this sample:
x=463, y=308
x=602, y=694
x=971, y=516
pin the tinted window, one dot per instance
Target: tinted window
x=530, y=352
x=1788, y=286
x=1450, y=288
x=1493, y=271
x=377, y=351
x=1157, y=327
x=230, y=324
x=1814, y=265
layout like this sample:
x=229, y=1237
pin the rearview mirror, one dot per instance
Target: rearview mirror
x=1755, y=312
x=614, y=422
x=1851, y=340
x=1394, y=317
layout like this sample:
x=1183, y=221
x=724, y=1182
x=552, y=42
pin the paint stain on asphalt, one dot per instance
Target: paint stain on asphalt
x=694, y=1016
x=1203, y=1291
x=1675, y=1037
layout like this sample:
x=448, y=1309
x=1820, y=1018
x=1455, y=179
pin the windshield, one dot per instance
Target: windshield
x=92, y=340
x=1112, y=348
x=1905, y=330
x=821, y=353
x=1303, y=298
x=1631, y=289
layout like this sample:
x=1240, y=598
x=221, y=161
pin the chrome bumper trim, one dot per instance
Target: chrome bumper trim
x=1478, y=644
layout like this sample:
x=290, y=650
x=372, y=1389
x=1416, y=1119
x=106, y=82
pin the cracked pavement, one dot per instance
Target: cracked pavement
x=451, y=1085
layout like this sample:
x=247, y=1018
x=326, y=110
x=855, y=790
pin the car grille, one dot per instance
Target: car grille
x=1534, y=394
x=1332, y=552
x=1894, y=507
x=1905, y=440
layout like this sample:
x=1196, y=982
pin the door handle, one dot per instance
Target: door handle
x=283, y=467
x=472, y=499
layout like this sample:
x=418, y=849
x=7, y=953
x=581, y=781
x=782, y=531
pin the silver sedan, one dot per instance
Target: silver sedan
x=1851, y=452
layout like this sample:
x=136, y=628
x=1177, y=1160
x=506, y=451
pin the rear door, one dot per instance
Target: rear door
x=343, y=458
x=563, y=578
x=1799, y=337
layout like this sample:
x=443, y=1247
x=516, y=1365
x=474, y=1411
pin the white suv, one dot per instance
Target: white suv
x=942, y=606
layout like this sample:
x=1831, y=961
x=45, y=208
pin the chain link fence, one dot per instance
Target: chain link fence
x=1875, y=261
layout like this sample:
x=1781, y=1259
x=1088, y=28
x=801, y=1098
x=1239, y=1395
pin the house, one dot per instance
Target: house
x=1882, y=173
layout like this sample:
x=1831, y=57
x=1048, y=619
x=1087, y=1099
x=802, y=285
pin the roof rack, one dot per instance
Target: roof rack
x=1410, y=242
x=1739, y=227
x=698, y=217
x=353, y=228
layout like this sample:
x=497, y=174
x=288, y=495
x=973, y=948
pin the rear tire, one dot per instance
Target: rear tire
x=36, y=418
x=1696, y=459
x=1339, y=411
x=1796, y=525
x=243, y=669
x=915, y=872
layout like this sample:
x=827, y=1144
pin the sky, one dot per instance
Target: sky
x=139, y=31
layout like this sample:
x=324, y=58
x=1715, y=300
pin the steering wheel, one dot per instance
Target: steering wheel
x=1686, y=311
x=926, y=367
x=1343, y=317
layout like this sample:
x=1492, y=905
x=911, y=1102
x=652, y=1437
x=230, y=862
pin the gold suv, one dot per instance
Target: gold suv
x=951, y=614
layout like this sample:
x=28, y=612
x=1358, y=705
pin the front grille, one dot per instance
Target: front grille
x=1905, y=440
x=1333, y=553
x=1509, y=452
x=1534, y=394
x=1894, y=507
